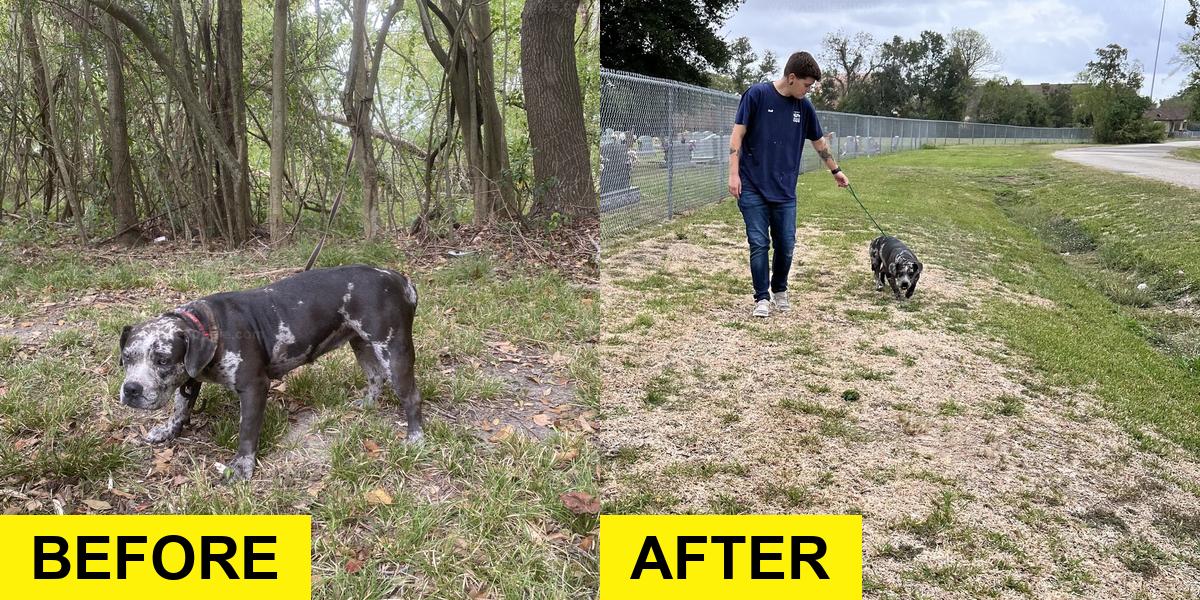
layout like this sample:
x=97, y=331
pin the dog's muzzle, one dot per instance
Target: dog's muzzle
x=134, y=395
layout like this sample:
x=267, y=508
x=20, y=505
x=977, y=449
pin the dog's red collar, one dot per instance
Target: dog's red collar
x=183, y=313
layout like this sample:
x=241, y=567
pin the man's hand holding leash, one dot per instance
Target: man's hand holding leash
x=821, y=145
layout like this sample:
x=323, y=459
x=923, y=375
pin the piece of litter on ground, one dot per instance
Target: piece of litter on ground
x=1142, y=286
x=458, y=253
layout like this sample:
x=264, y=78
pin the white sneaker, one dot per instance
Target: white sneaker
x=781, y=302
x=762, y=309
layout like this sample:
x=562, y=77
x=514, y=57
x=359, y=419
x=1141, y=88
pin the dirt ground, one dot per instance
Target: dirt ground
x=973, y=477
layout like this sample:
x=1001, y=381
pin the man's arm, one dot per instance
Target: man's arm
x=822, y=148
x=735, y=147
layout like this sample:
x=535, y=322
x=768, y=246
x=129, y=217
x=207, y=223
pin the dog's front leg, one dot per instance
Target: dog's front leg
x=895, y=288
x=253, y=396
x=185, y=397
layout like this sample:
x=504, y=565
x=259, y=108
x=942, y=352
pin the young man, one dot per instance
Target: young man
x=772, y=122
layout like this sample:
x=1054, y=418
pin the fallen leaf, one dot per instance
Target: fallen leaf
x=97, y=504
x=585, y=426
x=378, y=496
x=543, y=420
x=123, y=494
x=315, y=489
x=162, y=460
x=354, y=565
x=371, y=447
x=587, y=543
x=581, y=503
x=504, y=433
x=565, y=456
x=26, y=442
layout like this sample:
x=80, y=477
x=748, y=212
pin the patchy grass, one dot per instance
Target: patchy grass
x=476, y=510
x=1030, y=337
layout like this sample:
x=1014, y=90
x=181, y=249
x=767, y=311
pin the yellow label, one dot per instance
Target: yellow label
x=143, y=556
x=730, y=556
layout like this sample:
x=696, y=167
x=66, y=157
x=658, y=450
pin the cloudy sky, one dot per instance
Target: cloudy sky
x=1040, y=40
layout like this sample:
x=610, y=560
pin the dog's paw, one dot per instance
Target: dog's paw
x=241, y=468
x=160, y=433
x=415, y=437
x=365, y=403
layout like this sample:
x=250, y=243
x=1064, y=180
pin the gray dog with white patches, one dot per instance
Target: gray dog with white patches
x=243, y=340
x=893, y=262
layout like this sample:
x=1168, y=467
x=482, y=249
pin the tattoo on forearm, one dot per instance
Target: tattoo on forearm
x=825, y=154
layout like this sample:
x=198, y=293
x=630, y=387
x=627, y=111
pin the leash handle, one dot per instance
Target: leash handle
x=860, y=204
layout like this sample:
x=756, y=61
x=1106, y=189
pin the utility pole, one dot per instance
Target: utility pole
x=1154, y=73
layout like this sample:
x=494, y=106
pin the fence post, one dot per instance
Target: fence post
x=670, y=151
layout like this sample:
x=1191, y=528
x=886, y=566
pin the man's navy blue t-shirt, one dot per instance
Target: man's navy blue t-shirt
x=776, y=127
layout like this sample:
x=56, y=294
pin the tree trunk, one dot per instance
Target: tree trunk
x=278, y=116
x=554, y=105
x=123, y=209
x=41, y=92
x=468, y=65
x=230, y=156
x=56, y=142
x=495, y=142
x=357, y=104
x=232, y=115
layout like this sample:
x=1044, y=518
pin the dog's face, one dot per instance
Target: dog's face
x=907, y=270
x=156, y=356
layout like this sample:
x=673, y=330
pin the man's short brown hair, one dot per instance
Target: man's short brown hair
x=802, y=64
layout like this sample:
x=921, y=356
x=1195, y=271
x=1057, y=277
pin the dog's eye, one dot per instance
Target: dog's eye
x=162, y=362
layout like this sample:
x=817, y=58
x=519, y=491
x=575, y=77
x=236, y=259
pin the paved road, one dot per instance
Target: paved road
x=1152, y=161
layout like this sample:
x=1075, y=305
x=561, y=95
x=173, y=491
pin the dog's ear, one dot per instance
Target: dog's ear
x=200, y=352
x=121, y=348
x=894, y=267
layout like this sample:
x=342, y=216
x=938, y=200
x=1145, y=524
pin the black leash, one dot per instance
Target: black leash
x=860, y=204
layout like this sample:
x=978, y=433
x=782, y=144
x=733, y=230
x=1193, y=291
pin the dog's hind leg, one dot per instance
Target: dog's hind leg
x=373, y=368
x=404, y=382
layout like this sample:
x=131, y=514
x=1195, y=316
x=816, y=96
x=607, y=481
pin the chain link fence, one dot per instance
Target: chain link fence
x=664, y=145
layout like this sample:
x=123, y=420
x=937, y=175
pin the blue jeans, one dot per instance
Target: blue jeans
x=768, y=224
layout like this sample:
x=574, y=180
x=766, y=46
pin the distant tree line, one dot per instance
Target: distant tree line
x=934, y=76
